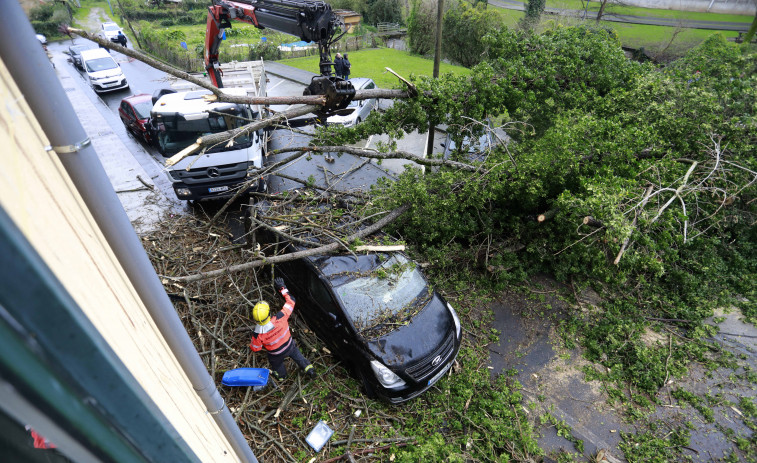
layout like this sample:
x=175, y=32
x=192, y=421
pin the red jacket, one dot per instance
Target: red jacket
x=275, y=335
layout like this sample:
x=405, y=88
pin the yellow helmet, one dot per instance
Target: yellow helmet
x=261, y=312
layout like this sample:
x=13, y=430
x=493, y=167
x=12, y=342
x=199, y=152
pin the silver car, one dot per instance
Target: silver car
x=357, y=111
x=110, y=30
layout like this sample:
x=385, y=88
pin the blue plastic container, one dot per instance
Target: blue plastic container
x=255, y=377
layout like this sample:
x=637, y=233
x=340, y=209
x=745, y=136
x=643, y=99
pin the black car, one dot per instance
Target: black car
x=377, y=313
x=473, y=148
x=74, y=51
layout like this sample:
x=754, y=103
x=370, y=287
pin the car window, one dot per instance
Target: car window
x=110, y=27
x=370, y=86
x=384, y=294
x=101, y=64
x=143, y=109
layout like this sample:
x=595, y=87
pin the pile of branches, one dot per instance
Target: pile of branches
x=217, y=315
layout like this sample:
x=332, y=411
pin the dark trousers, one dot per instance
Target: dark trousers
x=293, y=352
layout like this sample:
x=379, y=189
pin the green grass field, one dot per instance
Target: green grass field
x=657, y=37
x=650, y=12
x=373, y=63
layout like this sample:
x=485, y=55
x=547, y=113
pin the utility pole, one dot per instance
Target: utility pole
x=437, y=61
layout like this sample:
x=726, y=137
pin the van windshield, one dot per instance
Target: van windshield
x=385, y=297
x=176, y=133
x=101, y=64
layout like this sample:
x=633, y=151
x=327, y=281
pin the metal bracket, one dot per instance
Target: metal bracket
x=67, y=149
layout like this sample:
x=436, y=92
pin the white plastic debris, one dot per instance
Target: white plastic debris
x=318, y=437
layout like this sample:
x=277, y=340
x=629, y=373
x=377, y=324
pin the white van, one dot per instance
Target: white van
x=103, y=72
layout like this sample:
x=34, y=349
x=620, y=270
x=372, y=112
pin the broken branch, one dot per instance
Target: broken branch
x=389, y=218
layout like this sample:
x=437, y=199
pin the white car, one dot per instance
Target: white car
x=110, y=30
x=103, y=72
x=357, y=111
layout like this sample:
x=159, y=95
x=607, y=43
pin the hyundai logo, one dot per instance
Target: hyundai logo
x=213, y=172
x=437, y=360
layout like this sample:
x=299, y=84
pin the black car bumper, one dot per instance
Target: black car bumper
x=217, y=190
x=407, y=394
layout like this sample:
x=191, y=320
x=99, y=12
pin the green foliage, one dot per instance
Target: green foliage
x=471, y=417
x=421, y=27
x=660, y=159
x=534, y=9
x=42, y=12
x=563, y=430
x=46, y=18
x=659, y=444
x=695, y=401
x=382, y=11
x=463, y=27
x=166, y=15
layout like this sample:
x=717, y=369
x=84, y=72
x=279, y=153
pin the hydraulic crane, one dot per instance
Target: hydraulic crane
x=310, y=20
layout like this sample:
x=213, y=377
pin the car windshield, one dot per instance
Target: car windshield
x=78, y=49
x=143, y=109
x=101, y=64
x=175, y=133
x=110, y=27
x=385, y=297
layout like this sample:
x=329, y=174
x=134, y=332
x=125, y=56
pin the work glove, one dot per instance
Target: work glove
x=278, y=284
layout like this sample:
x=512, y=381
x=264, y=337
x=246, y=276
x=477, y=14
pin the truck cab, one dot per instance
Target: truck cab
x=178, y=119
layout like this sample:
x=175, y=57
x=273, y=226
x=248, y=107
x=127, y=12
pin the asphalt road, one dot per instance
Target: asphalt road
x=137, y=171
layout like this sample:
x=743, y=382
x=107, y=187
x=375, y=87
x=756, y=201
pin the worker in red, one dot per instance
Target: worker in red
x=272, y=333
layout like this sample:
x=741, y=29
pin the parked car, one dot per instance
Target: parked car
x=135, y=114
x=74, y=51
x=42, y=39
x=357, y=110
x=474, y=148
x=378, y=314
x=102, y=71
x=110, y=30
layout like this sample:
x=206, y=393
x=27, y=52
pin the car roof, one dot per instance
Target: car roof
x=83, y=46
x=138, y=98
x=360, y=82
x=94, y=53
x=188, y=102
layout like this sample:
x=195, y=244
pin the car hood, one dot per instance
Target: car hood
x=115, y=72
x=342, y=115
x=217, y=159
x=419, y=338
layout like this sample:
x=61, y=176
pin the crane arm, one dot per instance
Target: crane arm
x=310, y=20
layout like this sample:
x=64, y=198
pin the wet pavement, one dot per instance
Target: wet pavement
x=554, y=382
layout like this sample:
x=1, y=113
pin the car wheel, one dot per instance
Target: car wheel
x=358, y=121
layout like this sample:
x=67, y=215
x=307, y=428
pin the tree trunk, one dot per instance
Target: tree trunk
x=601, y=10
x=752, y=29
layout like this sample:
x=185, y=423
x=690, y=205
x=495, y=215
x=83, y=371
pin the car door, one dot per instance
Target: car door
x=367, y=105
x=332, y=325
x=128, y=117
